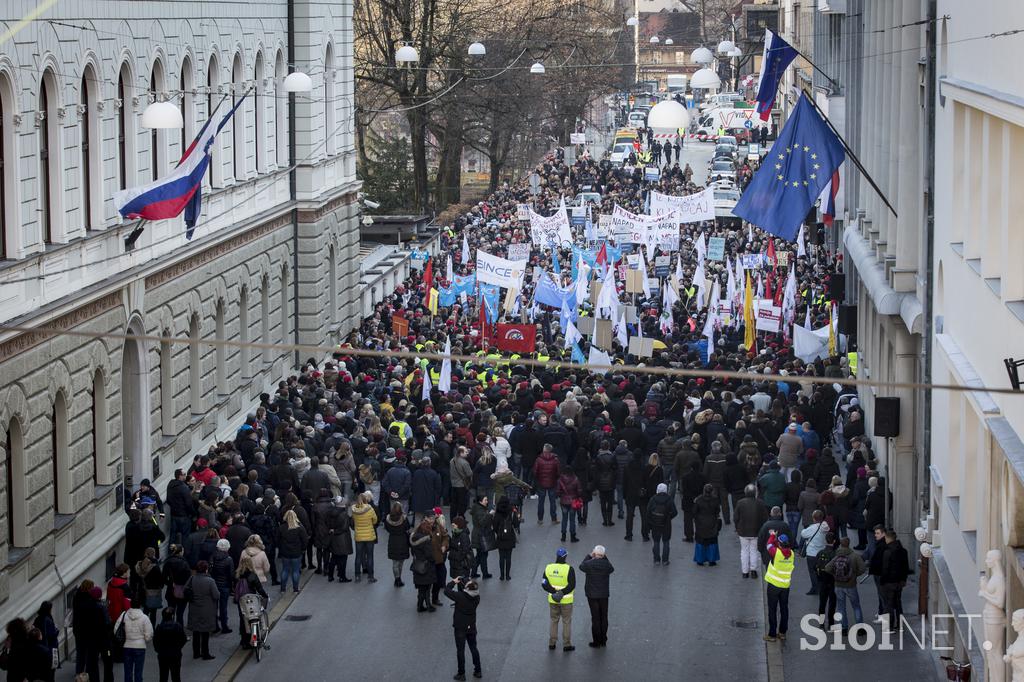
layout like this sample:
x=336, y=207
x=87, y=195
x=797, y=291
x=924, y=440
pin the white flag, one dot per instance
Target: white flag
x=644, y=281
x=465, y=249
x=572, y=334
x=760, y=287
x=669, y=297
x=807, y=317
x=679, y=271
x=730, y=285
x=598, y=358
x=702, y=248
x=444, y=382
x=789, y=301
x=620, y=331
x=582, y=282
x=608, y=299
x=750, y=232
x=451, y=270
x=699, y=279
x=712, y=321
x=801, y=250
x=426, y=384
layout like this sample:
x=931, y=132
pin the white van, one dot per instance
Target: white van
x=637, y=119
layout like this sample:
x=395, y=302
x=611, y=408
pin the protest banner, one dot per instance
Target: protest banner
x=500, y=271
x=689, y=209
x=577, y=138
x=752, y=261
x=782, y=258
x=716, y=248
x=523, y=212
x=551, y=231
x=652, y=173
x=516, y=338
x=769, y=316
x=662, y=266
x=641, y=347
x=518, y=252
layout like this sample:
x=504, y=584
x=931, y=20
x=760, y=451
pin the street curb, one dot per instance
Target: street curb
x=773, y=650
x=240, y=657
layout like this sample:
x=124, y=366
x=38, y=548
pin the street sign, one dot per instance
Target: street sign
x=748, y=124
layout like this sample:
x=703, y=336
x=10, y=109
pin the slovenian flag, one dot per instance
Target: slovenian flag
x=827, y=199
x=179, y=191
x=776, y=57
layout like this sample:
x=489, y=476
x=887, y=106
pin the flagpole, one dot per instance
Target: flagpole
x=853, y=157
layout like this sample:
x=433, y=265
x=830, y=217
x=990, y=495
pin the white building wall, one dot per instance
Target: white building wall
x=977, y=481
x=142, y=409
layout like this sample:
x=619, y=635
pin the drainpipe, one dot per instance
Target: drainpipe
x=292, y=181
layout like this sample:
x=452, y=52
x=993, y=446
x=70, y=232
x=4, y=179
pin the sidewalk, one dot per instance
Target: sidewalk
x=229, y=657
x=904, y=662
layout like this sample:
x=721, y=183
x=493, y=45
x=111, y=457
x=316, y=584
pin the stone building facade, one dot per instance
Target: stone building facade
x=274, y=258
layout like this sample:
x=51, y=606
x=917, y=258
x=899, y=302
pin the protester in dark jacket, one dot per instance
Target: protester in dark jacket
x=660, y=512
x=598, y=570
x=466, y=600
x=168, y=640
x=894, y=570
x=460, y=549
x=222, y=570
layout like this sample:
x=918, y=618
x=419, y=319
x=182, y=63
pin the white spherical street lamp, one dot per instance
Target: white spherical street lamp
x=632, y=21
x=297, y=81
x=705, y=79
x=668, y=115
x=477, y=50
x=406, y=54
x=702, y=55
x=669, y=41
x=537, y=69
x=655, y=40
x=726, y=46
x=162, y=115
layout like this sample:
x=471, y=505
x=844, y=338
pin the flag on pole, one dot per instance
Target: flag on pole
x=444, y=382
x=807, y=317
x=678, y=283
x=556, y=267
x=432, y=300
x=712, y=321
x=702, y=248
x=450, y=271
x=645, y=283
x=577, y=355
x=832, y=350
x=582, y=283
x=827, y=199
x=465, y=249
x=776, y=56
x=426, y=385
x=669, y=297
x=428, y=275
x=749, y=320
x=789, y=182
x=699, y=281
x=572, y=334
x=801, y=249
x=620, y=331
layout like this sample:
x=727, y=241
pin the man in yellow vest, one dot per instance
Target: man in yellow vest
x=560, y=583
x=778, y=575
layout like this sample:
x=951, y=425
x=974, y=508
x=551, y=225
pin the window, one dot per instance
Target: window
x=265, y=317
x=332, y=273
x=194, y=368
x=166, y=385
x=61, y=459
x=237, y=122
x=796, y=22
x=187, y=105
x=157, y=137
x=14, y=475
x=259, y=115
x=284, y=305
x=243, y=332
x=123, y=127
x=90, y=158
x=330, y=106
x=216, y=173
x=221, y=350
x=100, y=445
x=6, y=130
x=49, y=157
x=280, y=112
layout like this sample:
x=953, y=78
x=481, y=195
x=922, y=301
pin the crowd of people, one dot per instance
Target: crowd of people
x=351, y=452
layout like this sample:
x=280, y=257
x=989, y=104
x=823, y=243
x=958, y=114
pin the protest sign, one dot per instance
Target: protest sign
x=689, y=209
x=603, y=334
x=552, y=230
x=752, y=261
x=769, y=316
x=579, y=215
x=518, y=252
x=716, y=248
x=662, y=266
x=500, y=271
x=782, y=258
x=641, y=347
x=523, y=212
x=652, y=173
x=399, y=326
x=577, y=138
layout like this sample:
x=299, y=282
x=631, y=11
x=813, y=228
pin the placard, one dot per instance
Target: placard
x=752, y=261
x=782, y=258
x=595, y=291
x=586, y=325
x=629, y=311
x=579, y=215
x=518, y=252
x=689, y=208
x=523, y=212
x=603, y=333
x=399, y=326
x=641, y=347
x=634, y=261
x=652, y=173
x=577, y=138
x=662, y=266
x=634, y=282
x=716, y=248
x=769, y=316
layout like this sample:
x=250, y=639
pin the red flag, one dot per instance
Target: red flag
x=768, y=284
x=771, y=255
x=516, y=338
x=483, y=322
x=428, y=275
x=602, y=255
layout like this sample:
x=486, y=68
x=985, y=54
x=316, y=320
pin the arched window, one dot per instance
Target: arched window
x=332, y=273
x=166, y=385
x=14, y=483
x=260, y=115
x=195, y=369
x=280, y=112
x=100, y=442
x=89, y=127
x=157, y=137
x=216, y=174
x=187, y=105
x=61, y=460
x=244, y=353
x=330, y=106
x=125, y=163
x=284, y=306
x=49, y=159
x=8, y=167
x=221, y=351
x=237, y=122
x=265, y=317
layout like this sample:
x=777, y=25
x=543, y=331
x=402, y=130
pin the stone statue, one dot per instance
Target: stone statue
x=1015, y=652
x=993, y=616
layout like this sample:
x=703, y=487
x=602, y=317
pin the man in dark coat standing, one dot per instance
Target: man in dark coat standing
x=182, y=507
x=426, y=489
x=775, y=523
x=660, y=512
x=893, y=578
x=598, y=571
x=466, y=600
x=751, y=515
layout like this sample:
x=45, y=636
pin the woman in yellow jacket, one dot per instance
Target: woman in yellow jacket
x=364, y=518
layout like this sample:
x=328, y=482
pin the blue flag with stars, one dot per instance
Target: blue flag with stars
x=792, y=175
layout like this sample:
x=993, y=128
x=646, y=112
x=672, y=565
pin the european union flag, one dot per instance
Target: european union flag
x=792, y=175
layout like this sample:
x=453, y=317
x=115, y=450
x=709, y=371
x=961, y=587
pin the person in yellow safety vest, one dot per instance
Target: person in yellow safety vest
x=778, y=575
x=560, y=583
x=852, y=360
x=404, y=430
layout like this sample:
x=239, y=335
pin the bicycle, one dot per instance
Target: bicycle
x=255, y=614
x=957, y=671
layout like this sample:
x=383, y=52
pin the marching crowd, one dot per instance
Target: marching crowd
x=351, y=452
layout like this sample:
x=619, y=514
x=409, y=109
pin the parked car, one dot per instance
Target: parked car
x=742, y=135
x=725, y=201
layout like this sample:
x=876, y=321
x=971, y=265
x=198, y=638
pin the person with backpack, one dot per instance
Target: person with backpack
x=660, y=512
x=460, y=550
x=506, y=527
x=826, y=583
x=845, y=567
x=569, y=493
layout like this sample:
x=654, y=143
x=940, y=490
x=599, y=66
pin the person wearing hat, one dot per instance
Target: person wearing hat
x=598, y=570
x=465, y=601
x=778, y=576
x=560, y=584
x=660, y=511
